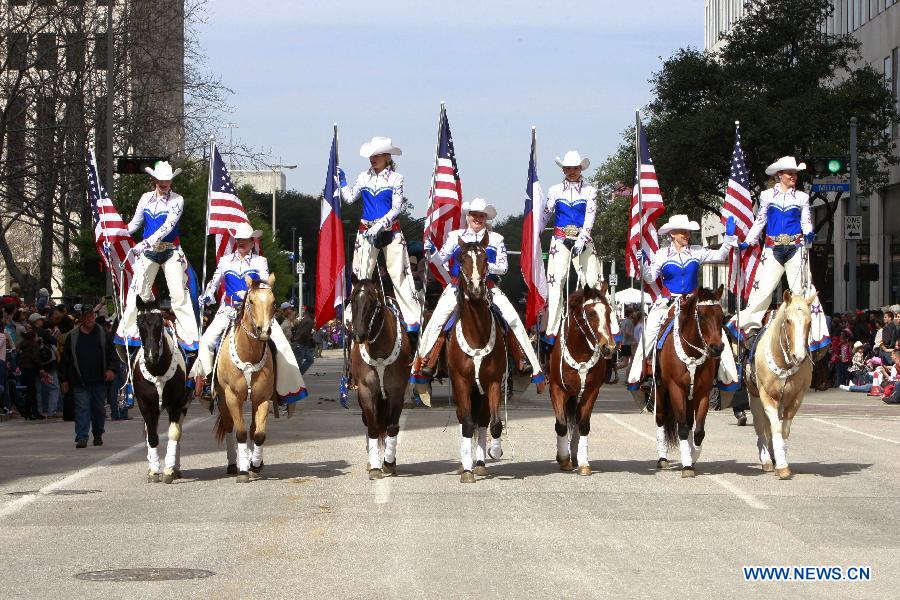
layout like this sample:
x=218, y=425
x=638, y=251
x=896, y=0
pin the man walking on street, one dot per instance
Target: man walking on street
x=303, y=342
x=88, y=363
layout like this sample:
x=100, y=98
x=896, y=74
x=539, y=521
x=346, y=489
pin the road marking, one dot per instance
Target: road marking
x=18, y=504
x=874, y=437
x=719, y=480
x=382, y=487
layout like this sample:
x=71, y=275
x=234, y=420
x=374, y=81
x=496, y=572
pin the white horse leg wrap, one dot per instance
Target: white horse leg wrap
x=390, y=449
x=243, y=458
x=695, y=450
x=686, y=459
x=496, y=451
x=764, y=457
x=481, y=448
x=171, y=453
x=465, y=453
x=582, y=450
x=780, y=448
x=562, y=447
x=231, y=448
x=256, y=457
x=153, y=458
x=662, y=449
x=374, y=454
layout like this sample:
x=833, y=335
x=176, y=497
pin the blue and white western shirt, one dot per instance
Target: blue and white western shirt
x=381, y=193
x=680, y=271
x=573, y=204
x=159, y=216
x=231, y=270
x=498, y=262
x=781, y=213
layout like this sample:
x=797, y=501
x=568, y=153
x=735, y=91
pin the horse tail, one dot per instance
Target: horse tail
x=223, y=424
x=670, y=426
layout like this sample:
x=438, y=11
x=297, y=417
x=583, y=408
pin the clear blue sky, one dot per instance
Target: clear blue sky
x=575, y=69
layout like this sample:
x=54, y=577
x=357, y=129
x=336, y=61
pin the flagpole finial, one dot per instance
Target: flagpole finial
x=737, y=123
x=533, y=128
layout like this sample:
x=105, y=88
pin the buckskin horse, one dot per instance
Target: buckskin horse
x=244, y=371
x=780, y=373
x=578, y=365
x=688, y=361
x=159, y=382
x=477, y=362
x=380, y=361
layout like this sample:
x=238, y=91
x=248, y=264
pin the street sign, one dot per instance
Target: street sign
x=853, y=227
x=301, y=268
x=613, y=279
x=825, y=185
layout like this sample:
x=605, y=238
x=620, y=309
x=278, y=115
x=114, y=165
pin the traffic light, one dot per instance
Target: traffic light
x=134, y=165
x=828, y=166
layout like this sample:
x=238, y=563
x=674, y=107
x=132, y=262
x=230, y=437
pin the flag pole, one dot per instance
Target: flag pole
x=212, y=152
x=343, y=283
x=637, y=152
x=740, y=255
x=537, y=213
x=426, y=257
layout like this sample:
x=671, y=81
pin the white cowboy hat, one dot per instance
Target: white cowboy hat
x=286, y=305
x=679, y=222
x=162, y=171
x=573, y=159
x=379, y=145
x=244, y=231
x=785, y=163
x=480, y=205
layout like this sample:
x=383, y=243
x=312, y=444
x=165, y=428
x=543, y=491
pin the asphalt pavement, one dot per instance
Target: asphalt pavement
x=84, y=523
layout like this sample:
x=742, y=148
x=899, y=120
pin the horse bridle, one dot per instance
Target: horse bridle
x=793, y=367
x=250, y=334
x=175, y=361
x=691, y=363
x=597, y=351
x=246, y=367
x=381, y=364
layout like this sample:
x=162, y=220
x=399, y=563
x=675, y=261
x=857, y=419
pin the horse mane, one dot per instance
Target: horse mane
x=706, y=295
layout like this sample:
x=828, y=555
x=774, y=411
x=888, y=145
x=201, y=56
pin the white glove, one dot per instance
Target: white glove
x=429, y=246
x=205, y=300
x=374, y=230
x=578, y=248
x=639, y=254
x=138, y=248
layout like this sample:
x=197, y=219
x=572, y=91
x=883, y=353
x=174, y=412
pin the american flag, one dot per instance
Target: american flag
x=738, y=204
x=532, y=262
x=642, y=225
x=110, y=232
x=225, y=209
x=331, y=262
x=445, y=198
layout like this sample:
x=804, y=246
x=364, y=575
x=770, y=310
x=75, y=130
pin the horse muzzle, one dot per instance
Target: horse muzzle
x=715, y=350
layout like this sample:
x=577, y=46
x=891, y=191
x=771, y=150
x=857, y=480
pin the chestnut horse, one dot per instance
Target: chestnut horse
x=579, y=363
x=476, y=361
x=688, y=362
x=380, y=361
x=245, y=371
x=779, y=376
x=159, y=377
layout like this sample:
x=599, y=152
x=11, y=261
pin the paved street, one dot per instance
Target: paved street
x=315, y=526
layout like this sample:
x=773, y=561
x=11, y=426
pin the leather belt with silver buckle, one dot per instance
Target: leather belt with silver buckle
x=163, y=246
x=783, y=239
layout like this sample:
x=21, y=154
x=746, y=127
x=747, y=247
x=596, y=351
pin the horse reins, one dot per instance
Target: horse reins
x=381, y=364
x=246, y=367
x=582, y=368
x=477, y=354
x=175, y=361
x=691, y=363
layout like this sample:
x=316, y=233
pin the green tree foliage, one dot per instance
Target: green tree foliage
x=82, y=276
x=793, y=89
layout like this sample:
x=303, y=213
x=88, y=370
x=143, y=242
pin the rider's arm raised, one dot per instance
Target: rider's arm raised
x=349, y=193
x=762, y=217
x=652, y=268
x=213, y=285
x=720, y=254
x=137, y=221
x=450, y=246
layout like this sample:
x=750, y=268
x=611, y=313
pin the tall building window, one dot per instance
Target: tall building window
x=17, y=51
x=76, y=48
x=47, y=52
x=100, y=61
x=888, y=74
x=895, y=85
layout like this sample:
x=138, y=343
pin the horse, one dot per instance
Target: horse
x=578, y=367
x=687, y=363
x=380, y=361
x=245, y=370
x=159, y=382
x=780, y=374
x=477, y=363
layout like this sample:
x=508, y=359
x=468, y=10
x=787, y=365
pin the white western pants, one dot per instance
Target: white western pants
x=586, y=266
x=397, y=261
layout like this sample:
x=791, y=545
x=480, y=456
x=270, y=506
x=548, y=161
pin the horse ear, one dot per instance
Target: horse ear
x=811, y=298
x=248, y=280
x=604, y=288
x=353, y=279
x=271, y=280
x=719, y=292
x=787, y=296
x=139, y=302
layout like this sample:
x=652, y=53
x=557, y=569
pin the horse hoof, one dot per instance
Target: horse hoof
x=688, y=472
x=467, y=477
x=783, y=472
x=242, y=477
x=375, y=474
x=254, y=471
x=662, y=463
x=742, y=420
x=389, y=468
x=176, y=474
x=480, y=469
x=459, y=470
x=231, y=470
x=768, y=467
x=168, y=478
x=584, y=470
x=566, y=465
x=152, y=477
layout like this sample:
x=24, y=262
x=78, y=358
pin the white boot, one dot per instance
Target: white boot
x=481, y=446
x=374, y=454
x=686, y=458
x=562, y=448
x=465, y=453
x=662, y=449
x=496, y=449
x=390, y=449
x=583, y=450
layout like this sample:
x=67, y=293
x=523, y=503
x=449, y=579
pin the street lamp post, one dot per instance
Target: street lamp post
x=276, y=171
x=231, y=127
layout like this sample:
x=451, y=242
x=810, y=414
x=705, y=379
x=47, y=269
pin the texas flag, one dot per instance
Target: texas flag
x=532, y=263
x=330, y=261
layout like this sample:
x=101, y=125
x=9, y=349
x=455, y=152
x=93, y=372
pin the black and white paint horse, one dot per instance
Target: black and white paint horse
x=159, y=382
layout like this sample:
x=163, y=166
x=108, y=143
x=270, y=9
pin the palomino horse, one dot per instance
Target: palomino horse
x=578, y=366
x=159, y=378
x=380, y=360
x=781, y=373
x=245, y=371
x=477, y=362
x=688, y=362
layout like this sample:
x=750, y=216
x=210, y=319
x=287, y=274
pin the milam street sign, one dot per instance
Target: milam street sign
x=825, y=185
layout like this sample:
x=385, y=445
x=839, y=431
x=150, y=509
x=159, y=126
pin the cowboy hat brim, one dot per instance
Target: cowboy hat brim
x=369, y=149
x=783, y=165
x=584, y=164
x=162, y=176
x=689, y=226
x=488, y=209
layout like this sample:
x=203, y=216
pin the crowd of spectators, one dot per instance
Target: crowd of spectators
x=865, y=354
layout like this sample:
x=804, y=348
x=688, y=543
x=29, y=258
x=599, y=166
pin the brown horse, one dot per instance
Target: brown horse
x=780, y=375
x=578, y=366
x=245, y=370
x=477, y=362
x=380, y=361
x=688, y=362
